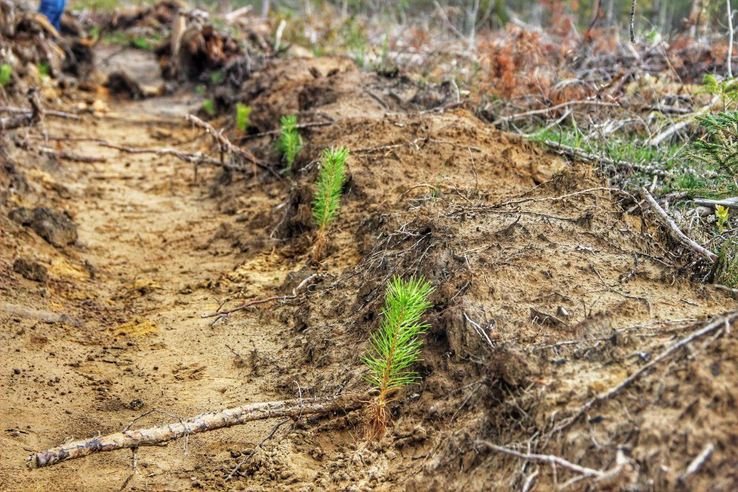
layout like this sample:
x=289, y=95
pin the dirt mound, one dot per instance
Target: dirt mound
x=547, y=292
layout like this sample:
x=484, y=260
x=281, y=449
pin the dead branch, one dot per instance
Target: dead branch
x=675, y=232
x=698, y=461
x=713, y=325
x=27, y=118
x=555, y=198
x=48, y=112
x=297, y=289
x=227, y=146
x=587, y=157
x=299, y=126
x=505, y=119
x=195, y=158
x=554, y=460
x=69, y=156
x=726, y=202
x=133, y=439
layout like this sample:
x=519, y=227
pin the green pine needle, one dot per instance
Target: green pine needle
x=243, y=111
x=289, y=143
x=395, y=347
x=329, y=187
x=5, y=72
x=718, y=147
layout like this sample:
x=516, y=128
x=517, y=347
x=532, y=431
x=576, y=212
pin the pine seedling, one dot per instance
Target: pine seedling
x=718, y=147
x=395, y=347
x=5, y=73
x=328, y=191
x=243, y=111
x=289, y=143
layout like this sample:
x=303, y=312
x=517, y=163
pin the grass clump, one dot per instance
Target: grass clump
x=6, y=71
x=328, y=191
x=395, y=347
x=243, y=111
x=289, y=143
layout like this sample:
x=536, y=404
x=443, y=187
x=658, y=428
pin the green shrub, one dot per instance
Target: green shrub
x=395, y=347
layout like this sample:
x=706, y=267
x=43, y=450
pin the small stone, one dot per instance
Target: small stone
x=31, y=270
x=21, y=215
x=55, y=227
x=16, y=371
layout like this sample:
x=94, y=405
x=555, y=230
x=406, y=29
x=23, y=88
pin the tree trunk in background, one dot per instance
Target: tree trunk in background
x=697, y=17
x=265, y=6
x=610, y=12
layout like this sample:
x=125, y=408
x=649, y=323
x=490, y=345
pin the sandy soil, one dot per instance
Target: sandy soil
x=572, y=294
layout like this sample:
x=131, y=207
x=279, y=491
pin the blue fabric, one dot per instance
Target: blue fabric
x=53, y=10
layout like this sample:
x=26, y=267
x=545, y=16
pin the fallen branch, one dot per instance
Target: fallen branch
x=676, y=233
x=69, y=156
x=557, y=461
x=262, y=301
x=196, y=158
x=227, y=146
x=587, y=157
x=715, y=324
x=726, y=202
x=299, y=126
x=505, y=119
x=26, y=112
x=132, y=439
x=27, y=118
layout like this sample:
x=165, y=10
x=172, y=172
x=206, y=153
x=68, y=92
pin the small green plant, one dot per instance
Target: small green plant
x=328, y=191
x=726, y=90
x=44, y=69
x=6, y=71
x=395, y=347
x=289, y=143
x=142, y=44
x=200, y=89
x=722, y=217
x=719, y=146
x=209, y=107
x=216, y=77
x=243, y=112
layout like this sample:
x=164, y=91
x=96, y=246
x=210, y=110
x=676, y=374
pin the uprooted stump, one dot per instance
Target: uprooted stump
x=205, y=422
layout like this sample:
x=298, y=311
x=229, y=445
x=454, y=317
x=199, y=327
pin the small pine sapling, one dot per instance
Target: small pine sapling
x=328, y=191
x=5, y=73
x=395, y=347
x=289, y=143
x=717, y=148
x=243, y=112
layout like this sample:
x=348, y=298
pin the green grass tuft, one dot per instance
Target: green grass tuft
x=329, y=187
x=289, y=143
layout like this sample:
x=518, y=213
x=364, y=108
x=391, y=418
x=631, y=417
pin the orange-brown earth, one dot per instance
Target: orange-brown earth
x=569, y=294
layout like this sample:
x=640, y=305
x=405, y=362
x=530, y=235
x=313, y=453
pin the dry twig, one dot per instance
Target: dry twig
x=674, y=229
x=715, y=324
x=132, y=439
